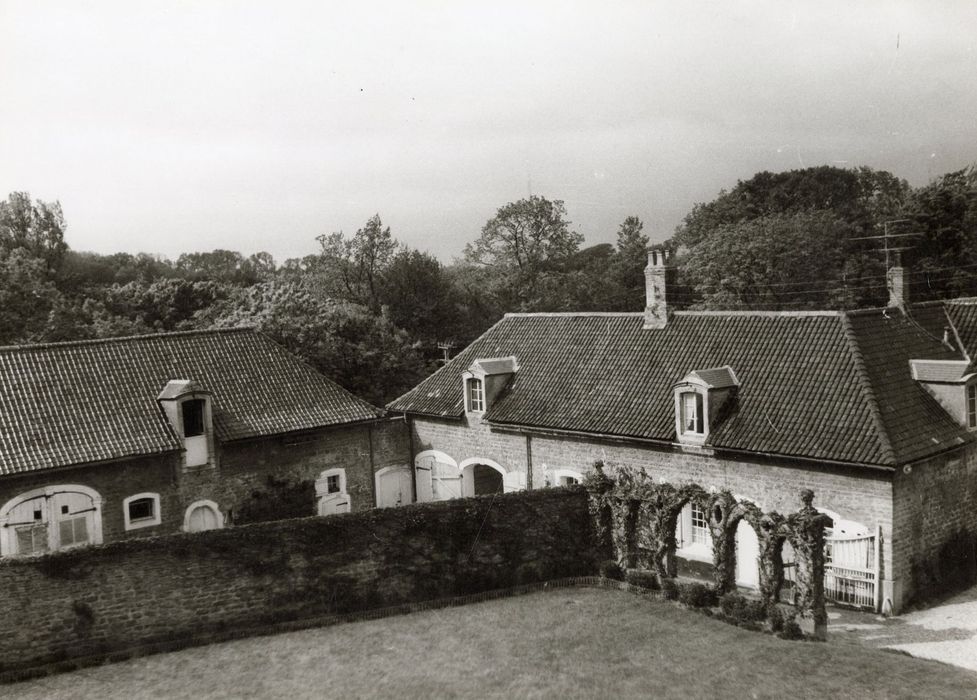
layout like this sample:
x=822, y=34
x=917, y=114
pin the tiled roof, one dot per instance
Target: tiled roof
x=963, y=315
x=72, y=403
x=819, y=385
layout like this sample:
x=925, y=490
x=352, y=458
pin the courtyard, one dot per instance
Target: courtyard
x=578, y=642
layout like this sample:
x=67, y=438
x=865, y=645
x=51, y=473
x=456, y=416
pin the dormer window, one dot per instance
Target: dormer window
x=953, y=383
x=189, y=409
x=476, y=395
x=699, y=398
x=485, y=380
x=692, y=415
x=193, y=417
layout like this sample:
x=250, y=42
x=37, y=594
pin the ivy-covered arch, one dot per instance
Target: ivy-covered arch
x=635, y=520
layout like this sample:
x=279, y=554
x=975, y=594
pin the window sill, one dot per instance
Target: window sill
x=695, y=552
x=141, y=523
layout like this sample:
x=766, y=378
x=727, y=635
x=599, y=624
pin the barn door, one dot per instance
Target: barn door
x=446, y=480
x=393, y=487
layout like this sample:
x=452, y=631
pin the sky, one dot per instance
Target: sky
x=168, y=127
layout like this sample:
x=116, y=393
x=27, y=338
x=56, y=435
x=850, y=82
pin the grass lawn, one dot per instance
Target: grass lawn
x=567, y=643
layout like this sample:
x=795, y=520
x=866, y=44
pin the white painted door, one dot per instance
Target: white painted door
x=394, y=488
x=446, y=482
x=747, y=556
x=203, y=517
x=334, y=503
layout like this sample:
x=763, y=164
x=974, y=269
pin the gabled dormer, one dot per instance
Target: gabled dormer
x=953, y=384
x=699, y=398
x=189, y=409
x=484, y=380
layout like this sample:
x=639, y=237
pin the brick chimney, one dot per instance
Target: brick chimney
x=898, y=286
x=656, y=306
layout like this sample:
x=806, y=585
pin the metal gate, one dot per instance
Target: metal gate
x=851, y=570
x=852, y=566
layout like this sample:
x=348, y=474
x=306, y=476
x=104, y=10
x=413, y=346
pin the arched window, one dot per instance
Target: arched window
x=203, y=515
x=141, y=510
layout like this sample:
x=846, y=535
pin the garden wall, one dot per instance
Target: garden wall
x=105, y=598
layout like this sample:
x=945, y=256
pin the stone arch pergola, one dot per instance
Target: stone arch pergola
x=635, y=520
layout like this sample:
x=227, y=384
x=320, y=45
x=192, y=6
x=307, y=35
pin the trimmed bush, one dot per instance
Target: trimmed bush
x=697, y=595
x=643, y=579
x=612, y=570
x=791, y=630
x=739, y=608
x=776, y=617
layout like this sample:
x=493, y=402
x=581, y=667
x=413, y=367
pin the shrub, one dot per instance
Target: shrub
x=776, y=617
x=528, y=572
x=697, y=595
x=643, y=579
x=669, y=589
x=612, y=570
x=791, y=630
x=741, y=609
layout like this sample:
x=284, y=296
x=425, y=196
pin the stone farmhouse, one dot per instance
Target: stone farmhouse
x=873, y=410
x=132, y=437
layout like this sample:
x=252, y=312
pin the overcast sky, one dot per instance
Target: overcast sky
x=174, y=126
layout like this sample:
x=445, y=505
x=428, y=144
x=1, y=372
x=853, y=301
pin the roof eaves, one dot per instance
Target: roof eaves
x=888, y=453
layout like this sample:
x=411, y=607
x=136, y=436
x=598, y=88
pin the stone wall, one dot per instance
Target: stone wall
x=935, y=531
x=99, y=599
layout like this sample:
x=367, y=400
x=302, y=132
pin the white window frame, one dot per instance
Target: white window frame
x=698, y=406
x=692, y=542
x=199, y=504
x=700, y=526
x=475, y=399
x=156, y=518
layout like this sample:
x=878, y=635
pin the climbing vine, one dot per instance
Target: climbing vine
x=635, y=520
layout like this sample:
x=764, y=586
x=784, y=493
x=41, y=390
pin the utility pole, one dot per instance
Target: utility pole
x=446, y=347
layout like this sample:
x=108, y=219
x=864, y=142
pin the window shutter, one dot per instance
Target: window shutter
x=684, y=529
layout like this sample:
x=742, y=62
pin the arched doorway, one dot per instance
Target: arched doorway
x=202, y=515
x=485, y=480
x=50, y=519
x=394, y=487
x=747, y=556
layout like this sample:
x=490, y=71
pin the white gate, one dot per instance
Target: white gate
x=851, y=570
x=852, y=566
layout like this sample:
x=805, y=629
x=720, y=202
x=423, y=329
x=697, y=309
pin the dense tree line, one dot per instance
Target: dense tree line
x=371, y=312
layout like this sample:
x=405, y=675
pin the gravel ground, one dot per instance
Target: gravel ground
x=946, y=632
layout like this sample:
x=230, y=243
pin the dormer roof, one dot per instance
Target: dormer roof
x=494, y=365
x=714, y=378
x=175, y=388
x=940, y=371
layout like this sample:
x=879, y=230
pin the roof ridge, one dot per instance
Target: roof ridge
x=740, y=312
x=122, y=338
x=888, y=453
x=570, y=314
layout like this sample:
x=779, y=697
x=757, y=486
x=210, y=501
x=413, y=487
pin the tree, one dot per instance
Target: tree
x=524, y=242
x=26, y=296
x=776, y=261
x=629, y=265
x=359, y=350
x=352, y=268
x=943, y=260
x=35, y=226
x=420, y=297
